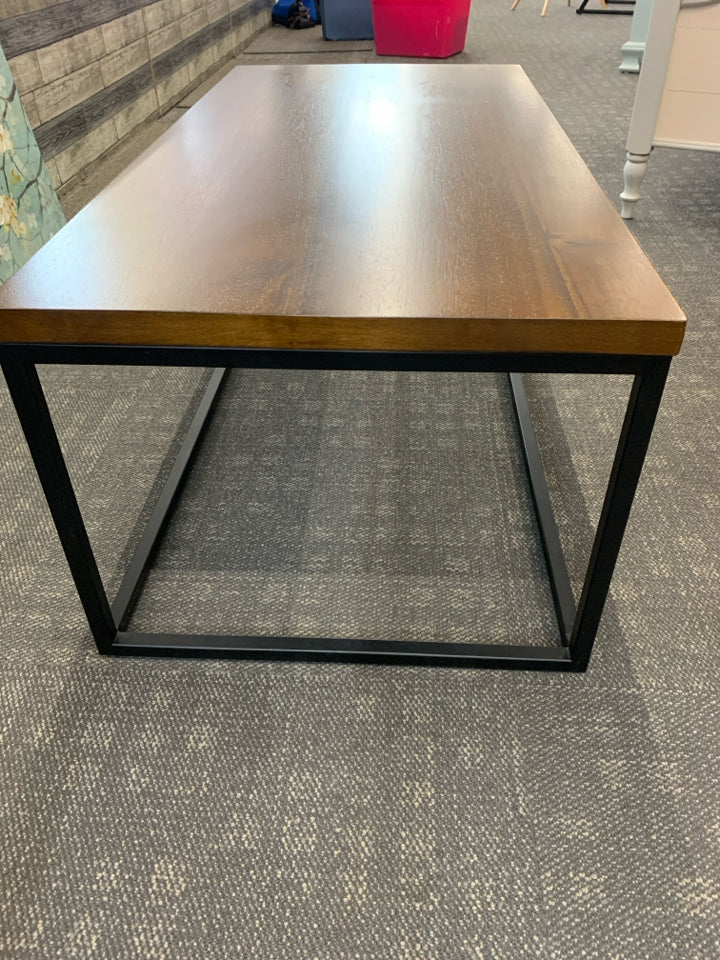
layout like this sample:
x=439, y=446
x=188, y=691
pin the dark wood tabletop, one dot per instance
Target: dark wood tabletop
x=373, y=207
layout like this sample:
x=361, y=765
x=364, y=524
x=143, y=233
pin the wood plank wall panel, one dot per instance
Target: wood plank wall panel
x=90, y=71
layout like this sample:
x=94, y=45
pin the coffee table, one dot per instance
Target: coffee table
x=356, y=217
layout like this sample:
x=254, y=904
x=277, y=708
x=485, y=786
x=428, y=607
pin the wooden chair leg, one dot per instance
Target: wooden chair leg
x=514, y=5
x=544, y=9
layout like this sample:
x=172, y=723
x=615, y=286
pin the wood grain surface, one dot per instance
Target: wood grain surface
x=380, y=207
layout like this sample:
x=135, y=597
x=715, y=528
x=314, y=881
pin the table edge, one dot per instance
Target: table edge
x=648, y=337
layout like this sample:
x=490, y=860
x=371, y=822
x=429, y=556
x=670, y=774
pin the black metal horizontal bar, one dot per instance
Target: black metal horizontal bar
x=621, y=3
x=552, y=548
x=146, y=549
x=418, y=653
x=330, y=359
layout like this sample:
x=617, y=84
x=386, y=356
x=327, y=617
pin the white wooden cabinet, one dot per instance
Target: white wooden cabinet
x=677, y=103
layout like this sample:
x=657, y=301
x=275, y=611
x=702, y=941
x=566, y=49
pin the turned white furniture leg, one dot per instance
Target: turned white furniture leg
x=634, y=172
x=648, y=96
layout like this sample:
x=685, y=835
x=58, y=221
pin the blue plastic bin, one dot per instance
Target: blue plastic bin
x=346, y=19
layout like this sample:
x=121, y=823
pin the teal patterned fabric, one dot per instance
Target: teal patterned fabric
x=30, y=212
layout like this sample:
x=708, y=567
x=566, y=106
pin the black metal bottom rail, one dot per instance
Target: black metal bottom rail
x=616, y=3
x=108, y=623
x=353, y=650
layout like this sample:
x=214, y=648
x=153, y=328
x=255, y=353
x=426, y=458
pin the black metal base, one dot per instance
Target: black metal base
x=108, y=623
x=615, y=3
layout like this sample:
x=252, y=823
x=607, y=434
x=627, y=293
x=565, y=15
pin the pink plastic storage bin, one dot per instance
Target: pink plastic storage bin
x=420, y=28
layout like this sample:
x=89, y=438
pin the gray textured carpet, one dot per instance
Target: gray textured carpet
x=292, y=811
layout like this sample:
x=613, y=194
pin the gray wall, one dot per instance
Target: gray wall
x=89, y=71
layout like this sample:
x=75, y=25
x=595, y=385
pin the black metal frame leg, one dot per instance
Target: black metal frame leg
x=549, y=536
x=137, y=571
x=36, y=422
x=632, y=446
x=577, y=628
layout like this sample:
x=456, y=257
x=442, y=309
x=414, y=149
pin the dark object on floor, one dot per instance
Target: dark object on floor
x=295, y=15
x=619, y=3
